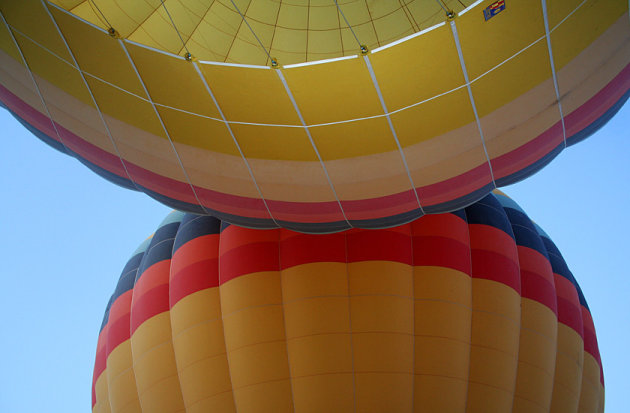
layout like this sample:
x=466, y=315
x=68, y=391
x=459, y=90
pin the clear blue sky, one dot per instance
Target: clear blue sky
x=66, y=234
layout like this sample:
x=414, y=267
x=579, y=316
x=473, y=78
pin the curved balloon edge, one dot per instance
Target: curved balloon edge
x=492, y=200
x=337, y=226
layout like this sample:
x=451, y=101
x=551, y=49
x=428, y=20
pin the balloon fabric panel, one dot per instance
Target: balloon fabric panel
x=180, y=100
x=477, y=304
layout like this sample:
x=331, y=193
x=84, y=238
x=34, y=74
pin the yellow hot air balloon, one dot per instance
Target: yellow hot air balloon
x=470, y=311
x=314, y=116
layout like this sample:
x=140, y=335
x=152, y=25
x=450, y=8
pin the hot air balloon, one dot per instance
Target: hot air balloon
x=473, y=310
x=314, y=118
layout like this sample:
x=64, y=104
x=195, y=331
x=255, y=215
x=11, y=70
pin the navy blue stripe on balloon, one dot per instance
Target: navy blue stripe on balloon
x=461, y=213
x=106, y=315
x=525, y=233
x=195, y=226
x=559, y=266
x=581, y=296
x=488, y=211
x=160, y=249
x=126, y=281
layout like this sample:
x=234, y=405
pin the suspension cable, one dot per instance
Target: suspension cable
x=188, y=56
x=110, y=28
x=361, y=45
x=274, y=62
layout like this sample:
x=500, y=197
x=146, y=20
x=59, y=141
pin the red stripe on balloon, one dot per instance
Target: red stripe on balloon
x=441, y=252
x=247, y=259
x=538, y=288
x=537, y=281
x=439, y=224
x=100, y=362
x=192, y=278
x=148, y=305
x=455, y=187
x=195, y=249
x=529, y=153
x=595, y=107
x=388, y=205
x=119, y=332
x=382, y=245
x=28, y=113
x=41, y=122
x=490, y=265
x=590, y=340
x=119, y=315
x=434, y=194
x=297, y=249
x=570, y=315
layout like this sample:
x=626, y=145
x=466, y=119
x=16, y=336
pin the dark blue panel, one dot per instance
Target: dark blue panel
x=581, y=295
x=336, y=226
x=461, y=213
x=106, y=315
x=195, y=226
x=160, y=248
x=558, y=264
x=132, y=264
x=156, y=253
x=224, y=225
x=488, y=211
x=525, y=233
x=125, y=283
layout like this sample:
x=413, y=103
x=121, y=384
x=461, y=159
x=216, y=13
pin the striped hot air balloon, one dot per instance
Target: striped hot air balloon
x=317, y=116
x=469, y=311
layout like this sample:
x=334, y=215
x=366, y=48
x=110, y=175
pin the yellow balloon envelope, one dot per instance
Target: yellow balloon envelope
x=470, y=311
x=314, y=116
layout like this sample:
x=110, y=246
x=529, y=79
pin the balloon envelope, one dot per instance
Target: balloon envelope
x=471, y=311
x=181, y=99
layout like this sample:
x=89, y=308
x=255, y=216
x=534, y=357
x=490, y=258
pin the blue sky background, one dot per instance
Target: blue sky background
x=66, y=235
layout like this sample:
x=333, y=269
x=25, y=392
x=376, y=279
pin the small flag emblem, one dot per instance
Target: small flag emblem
x=493, y=9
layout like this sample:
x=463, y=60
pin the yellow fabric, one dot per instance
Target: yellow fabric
x=121, y=380
x=293, y=31
x=261, y=149
x=395, y=336
x=407, y=74
x=154, y=366
x=569, y=367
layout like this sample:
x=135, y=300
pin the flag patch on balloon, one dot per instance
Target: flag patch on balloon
x=493, y=9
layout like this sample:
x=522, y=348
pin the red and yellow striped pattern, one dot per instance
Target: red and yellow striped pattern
x=425, y=125
x=472, y=311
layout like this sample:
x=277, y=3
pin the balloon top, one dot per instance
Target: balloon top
x=250, y=33
x=337, y=115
